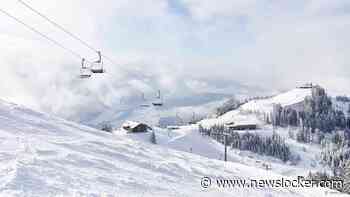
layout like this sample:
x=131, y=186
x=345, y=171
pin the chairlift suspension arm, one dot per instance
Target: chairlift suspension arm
x=99, y=57
x=83, y=63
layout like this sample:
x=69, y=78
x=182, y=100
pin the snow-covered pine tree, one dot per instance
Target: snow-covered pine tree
x=346, y=178
x=153, y=138
x=107, y=127
x=348, y=117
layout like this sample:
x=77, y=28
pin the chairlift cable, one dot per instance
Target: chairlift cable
x=41, y=34
x=65, y=30
x=57, y=25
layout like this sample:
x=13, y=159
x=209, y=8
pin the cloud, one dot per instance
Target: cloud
x=183, y=47
x=284, y=43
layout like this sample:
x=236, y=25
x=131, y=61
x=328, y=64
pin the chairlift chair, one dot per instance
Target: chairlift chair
x=144, y=104
x=158, y=102
x=84, y=71
x=97, y=66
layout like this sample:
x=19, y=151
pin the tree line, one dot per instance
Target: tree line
x=315, y=115
x=274, y=145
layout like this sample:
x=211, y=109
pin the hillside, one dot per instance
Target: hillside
x=290, y=97
x=42, y=155
x=188, y=139
x=252, y=112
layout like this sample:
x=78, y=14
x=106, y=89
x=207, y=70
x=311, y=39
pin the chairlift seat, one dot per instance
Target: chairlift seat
x=99, y=70
x=97, y=66
x=144, y=105
x=83, y=76
x=84, y=72
x=157, y=104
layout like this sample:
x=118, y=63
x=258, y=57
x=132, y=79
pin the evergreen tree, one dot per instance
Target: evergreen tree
x=153, y=139
x=229, y=105
x=348, y=117
x=340, y=120
x=107, y=127
x=277, y=114
x=346, y=178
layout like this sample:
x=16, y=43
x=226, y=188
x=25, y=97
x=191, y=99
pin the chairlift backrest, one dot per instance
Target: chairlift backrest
x=82, y=63
x=158, y=96
x=84, y=72
x=144, y=104
x=99, y=57
x=158, y=101
x=83, y=76
x=97, y=66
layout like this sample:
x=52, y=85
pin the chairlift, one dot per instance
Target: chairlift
x=84, y=71
x=144, y=104
x=158, y=102
x=97, y=66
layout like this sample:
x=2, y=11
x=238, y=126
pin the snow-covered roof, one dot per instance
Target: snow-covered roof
x=130, y=124
x=244, y=123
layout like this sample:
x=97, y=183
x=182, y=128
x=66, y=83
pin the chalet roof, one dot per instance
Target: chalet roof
x=230, y=123
x=241, y=123
x=130, y=124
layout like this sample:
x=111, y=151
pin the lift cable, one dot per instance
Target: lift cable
x=57, y=25
x=65, y=30
x=42, y=34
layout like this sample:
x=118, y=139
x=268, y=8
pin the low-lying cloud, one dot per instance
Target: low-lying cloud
x=183, y=47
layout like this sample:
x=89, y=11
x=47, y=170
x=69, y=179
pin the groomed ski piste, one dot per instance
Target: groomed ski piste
x=42, y=155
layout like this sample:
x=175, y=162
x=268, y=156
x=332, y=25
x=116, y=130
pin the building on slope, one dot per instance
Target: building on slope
x=306, y=86
x=241, y=126
x=136, y=127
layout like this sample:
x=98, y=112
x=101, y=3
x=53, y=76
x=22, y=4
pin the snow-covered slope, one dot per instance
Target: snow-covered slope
x=252, y=112
x=188, y=139
x=41, y=155
x=291, y=97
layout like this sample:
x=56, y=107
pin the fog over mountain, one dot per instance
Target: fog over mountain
x=185, y=48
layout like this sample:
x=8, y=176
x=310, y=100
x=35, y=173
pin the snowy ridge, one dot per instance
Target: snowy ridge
x=291, y=97
x=41, y=155
x=244, y=115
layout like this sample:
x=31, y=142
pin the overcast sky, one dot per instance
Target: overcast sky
x=182, y=47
